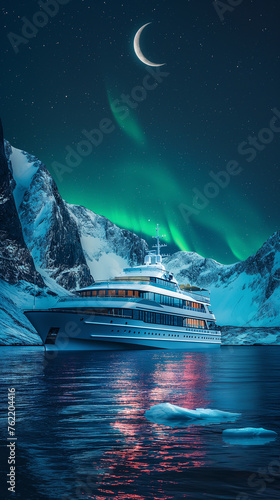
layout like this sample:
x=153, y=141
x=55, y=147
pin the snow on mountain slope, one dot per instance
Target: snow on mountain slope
x=107, y=248
x=23, y=171
x=242, y=294
x=234, y=335
x=15, y=327
x=16, y=262
x=49, y=232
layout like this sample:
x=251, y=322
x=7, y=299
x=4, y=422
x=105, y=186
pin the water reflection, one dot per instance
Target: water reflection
x=82, y=432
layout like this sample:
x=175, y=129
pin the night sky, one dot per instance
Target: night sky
x=199, y=114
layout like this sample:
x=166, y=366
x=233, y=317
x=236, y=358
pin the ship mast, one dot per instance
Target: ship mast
x=158, y=245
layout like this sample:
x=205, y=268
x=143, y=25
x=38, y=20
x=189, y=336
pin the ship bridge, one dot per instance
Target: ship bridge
x=152, y=268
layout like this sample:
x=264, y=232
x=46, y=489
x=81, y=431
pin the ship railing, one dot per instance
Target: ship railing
x=131, y=299
x=195, y=309
x=172, y=287
x=169, y=286
x=196, y=296
x=76, y=297
x=202, y=330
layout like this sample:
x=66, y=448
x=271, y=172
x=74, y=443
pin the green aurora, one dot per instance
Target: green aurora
x=222, y=85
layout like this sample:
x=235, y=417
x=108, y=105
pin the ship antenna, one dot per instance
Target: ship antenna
x=158, y=245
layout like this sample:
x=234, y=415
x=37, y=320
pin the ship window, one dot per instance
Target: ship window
x=136, y=315
x=130, y=293
x=121, y=293
x=128, y=313
x=101, y=293
x=111, y=293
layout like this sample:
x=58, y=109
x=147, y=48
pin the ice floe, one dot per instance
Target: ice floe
x=249, y=436
x=172, y=415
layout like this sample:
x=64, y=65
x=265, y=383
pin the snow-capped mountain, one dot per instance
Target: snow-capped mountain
x=69, y=244
x=16, y=262
x=243, y=294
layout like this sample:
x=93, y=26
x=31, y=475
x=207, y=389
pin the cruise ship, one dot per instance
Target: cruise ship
x=142, y=308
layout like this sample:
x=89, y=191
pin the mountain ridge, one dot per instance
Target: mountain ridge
x=246, y=293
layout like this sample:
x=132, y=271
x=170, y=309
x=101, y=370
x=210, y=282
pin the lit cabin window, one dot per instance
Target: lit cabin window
x=194, y=323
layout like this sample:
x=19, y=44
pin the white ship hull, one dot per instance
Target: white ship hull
x=66, y=331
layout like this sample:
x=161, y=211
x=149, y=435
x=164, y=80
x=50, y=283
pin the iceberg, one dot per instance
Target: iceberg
x=172, y=415
x=249, y=436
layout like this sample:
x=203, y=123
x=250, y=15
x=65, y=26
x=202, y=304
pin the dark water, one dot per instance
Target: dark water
x=81, y=430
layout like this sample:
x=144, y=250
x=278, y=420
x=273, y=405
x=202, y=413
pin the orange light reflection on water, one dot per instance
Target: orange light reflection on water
x=147, y=448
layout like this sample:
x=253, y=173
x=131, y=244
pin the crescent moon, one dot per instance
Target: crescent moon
x=138, y=51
